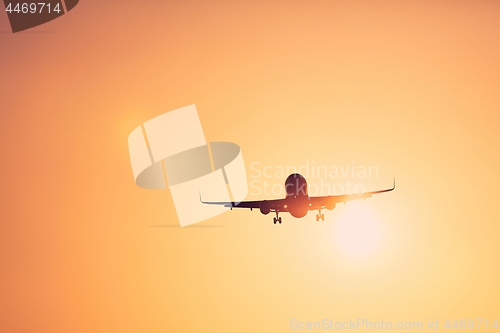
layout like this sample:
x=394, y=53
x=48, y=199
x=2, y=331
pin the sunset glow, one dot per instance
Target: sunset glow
x=357, y=232
x=394, y=89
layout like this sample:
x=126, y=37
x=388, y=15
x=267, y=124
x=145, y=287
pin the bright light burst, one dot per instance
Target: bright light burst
x=357, y=232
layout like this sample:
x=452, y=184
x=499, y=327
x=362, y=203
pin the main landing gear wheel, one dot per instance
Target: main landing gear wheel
x=277, y=218
x=320, y=216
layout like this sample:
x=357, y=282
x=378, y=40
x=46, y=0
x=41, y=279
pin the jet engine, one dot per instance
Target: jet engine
x=330, y=206
x=265, y=207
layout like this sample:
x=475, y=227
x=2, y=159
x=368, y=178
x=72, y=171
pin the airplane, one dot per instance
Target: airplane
x=297, y=201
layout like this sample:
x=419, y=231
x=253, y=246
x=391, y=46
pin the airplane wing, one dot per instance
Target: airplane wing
x=274, y=205
x=279, y=205
x=330, y=201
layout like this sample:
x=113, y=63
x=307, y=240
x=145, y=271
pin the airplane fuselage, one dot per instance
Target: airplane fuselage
x=297, y=197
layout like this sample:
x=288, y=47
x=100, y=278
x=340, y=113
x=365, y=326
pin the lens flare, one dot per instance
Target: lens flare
x=357, y=232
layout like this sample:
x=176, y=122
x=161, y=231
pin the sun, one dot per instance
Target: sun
x=357, y=232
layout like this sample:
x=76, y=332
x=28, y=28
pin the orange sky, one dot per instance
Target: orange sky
x=412, y=88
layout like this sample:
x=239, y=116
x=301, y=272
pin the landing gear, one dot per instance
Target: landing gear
x=277, y=218
x=320, y=216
